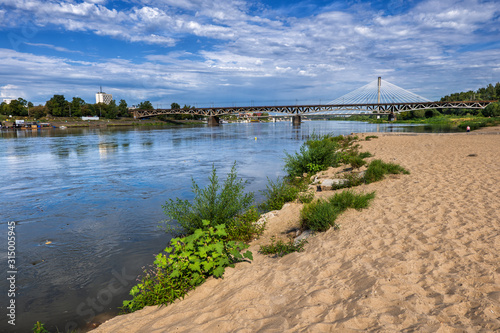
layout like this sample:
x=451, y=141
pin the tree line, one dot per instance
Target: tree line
x=58, y=106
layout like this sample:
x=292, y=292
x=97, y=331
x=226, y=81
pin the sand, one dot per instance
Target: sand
x=424, y=257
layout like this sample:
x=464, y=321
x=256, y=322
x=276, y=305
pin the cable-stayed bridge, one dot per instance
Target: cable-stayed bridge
x=376, y=98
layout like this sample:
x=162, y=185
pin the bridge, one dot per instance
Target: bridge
x=371, y=99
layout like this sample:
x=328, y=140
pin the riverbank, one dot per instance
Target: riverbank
x=424, y=256
x=75, y=122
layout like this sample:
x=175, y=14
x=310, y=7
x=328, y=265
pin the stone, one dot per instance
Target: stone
x=304, y=235
x=328, y=184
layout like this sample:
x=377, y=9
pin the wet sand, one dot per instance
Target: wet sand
x=423, y=257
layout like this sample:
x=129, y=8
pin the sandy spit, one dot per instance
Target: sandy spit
x=425, y=257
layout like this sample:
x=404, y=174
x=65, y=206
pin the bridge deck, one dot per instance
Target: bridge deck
x=346, y=109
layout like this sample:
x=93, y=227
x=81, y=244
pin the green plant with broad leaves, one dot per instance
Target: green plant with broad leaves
x=39, y=328
x=217, y=203
x=186, y=264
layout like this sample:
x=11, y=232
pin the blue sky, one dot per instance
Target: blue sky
x=236, y=52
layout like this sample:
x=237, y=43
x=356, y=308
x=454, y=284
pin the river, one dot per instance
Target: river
x=87, y=204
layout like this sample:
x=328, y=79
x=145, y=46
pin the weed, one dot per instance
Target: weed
x=244, y=227
x=369, y=137
x=377, y=170
x=280, y=248
x=321, y=215
x=356, y=162
x=278, y=193
x=187, y=263
x=39, y=328
x=217, y=203
x=365, y=154
x=306, y=197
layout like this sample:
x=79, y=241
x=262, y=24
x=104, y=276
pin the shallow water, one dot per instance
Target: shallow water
x=87, y=203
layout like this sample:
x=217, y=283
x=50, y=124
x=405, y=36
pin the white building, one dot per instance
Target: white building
x=102, y=97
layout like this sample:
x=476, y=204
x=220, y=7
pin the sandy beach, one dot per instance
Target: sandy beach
x=424, y=257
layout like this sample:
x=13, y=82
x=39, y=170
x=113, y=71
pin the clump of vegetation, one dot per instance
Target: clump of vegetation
x=306, y=197
x=219, y=204
x=377, y=170
x=280, y=248
x=369, y=137
x=356, y=162
x=186, y=263
x=39, y=328
x=277, y=193
x=316, y=154
x=244, y=227
x=321, y=215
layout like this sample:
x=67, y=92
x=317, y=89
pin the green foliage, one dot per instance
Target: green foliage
x=320, y=215
x=244, y=227
x=356, y=162
x=492, y=110
x=186, y=263
x=280, y=248
x=217, y=203
x=377, y=170
x=369, y=137
x=306, y=197
x=317, y=153
x=39, y=328
x=278, y=193
x=146, y=105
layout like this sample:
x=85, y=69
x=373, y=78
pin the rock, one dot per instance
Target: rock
x=304, y=235
x=328, y=184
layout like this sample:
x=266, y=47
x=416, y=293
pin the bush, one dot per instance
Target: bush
x=187, y=263
x=278, y=193
x=280, y=248
x=321, y=215
x=492, y=110
x=306, y=197
x=316, y=154
x=377, y=170
x=215, y=203
x=244, y=227
x=356, y=162
x=369, y=137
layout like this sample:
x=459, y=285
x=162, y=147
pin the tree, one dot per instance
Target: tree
x=111, y=110
x=38, y=112
x=56, y=105
x=146, y=105
x=76, y=106
x=123, y=109
x=175, y=106
x=492, y=110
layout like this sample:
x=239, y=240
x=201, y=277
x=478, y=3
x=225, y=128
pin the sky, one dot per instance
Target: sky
x=242, y=53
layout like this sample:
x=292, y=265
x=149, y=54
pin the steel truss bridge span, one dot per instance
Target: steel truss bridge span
x=331, y=109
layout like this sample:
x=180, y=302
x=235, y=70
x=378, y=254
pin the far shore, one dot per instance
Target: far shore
x=422, y=257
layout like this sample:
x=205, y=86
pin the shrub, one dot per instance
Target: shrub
x=187, y=263
x=306, y=197
x=369, y=137
x=215, y=203
x=377, y=170
x=321, y=215
x=316, y=154
x=244, y=227
x=280, y=248
x=356, y=162
x=278, y=193
x=365, y=154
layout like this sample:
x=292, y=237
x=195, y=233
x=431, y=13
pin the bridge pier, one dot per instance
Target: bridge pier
x=213, y=121
x=296, y=120
x=392, y=116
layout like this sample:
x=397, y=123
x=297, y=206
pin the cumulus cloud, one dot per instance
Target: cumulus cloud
x=323, y=52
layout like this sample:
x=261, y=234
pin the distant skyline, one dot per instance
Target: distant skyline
x=236, y=52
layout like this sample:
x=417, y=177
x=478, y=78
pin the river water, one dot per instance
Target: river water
x=87, y=204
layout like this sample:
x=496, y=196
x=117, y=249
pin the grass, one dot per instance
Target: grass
x=280, y=248
x=377, y=170
x=321, y=215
